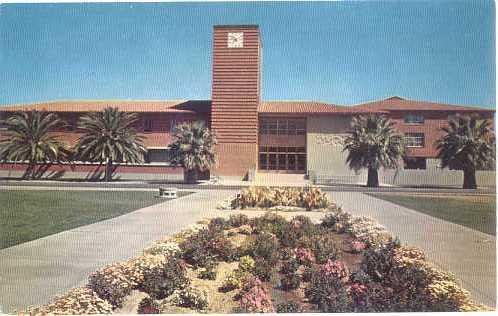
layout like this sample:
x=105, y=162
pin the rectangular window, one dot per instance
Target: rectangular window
x=300, y=127
x=414, y=119
x=157, y=155
x=272, y=162
x=292, y=127
x=282, y=126
x=147, y=125
x=263, y=161
x=415, y=163
x=263, y=127
x=414, y=139
x=272, y=127
x=172, y=125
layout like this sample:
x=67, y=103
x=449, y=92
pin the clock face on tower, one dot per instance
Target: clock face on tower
x=235, y=40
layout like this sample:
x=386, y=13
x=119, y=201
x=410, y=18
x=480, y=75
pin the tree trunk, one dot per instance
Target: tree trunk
x=108, y=170
x=190, y=176
x=373, y=178
x=469, y=178
x=29, y=172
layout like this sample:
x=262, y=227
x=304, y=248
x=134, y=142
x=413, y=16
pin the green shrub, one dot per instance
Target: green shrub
x=290, y=266
x=247, y=264
x=289, y=307
x=222, y=249
x=360, y=277
x=314, y=198
x=323, y=246
x=287, y=253
x=309, y=272
x=234, y=280
x=148, y=306
x=265, y=270
x=190, y=297
x=335, y=216
x=205, y=246
x=329, y=294
x=114, y=282
x=270, y=223
x=378, y=262
x=209, y=272
x=160, y=282
x=290, y=281
x=195, y=250
x=265, y=246
x=374, y=297
x=237, y=220
x=218, y=224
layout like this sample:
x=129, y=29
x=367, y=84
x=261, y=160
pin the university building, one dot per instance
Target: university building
x=256, y=137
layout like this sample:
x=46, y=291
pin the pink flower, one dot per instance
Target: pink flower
x=305, y=255
x=256, y=298
x=335, y=269
x=358, y=246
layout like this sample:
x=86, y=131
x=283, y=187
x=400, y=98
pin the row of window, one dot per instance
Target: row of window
x=282, y=126
x=148, y=125
x=414, y=119
x=282, y=158
x=414, y=139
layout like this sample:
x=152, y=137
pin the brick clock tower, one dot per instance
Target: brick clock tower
x=235, y=97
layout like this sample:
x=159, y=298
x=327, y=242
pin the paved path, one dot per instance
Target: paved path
x=469, y=254
x=34, y=272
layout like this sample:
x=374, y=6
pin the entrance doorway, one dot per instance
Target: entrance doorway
x=282, y=159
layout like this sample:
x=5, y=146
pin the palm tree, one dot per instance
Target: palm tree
x=28, y=139
x=109, y=137
x=468, y=145
x=373, y=144
x=193, y=149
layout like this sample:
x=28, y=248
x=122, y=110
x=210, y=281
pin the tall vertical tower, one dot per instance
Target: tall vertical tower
x=235, y=97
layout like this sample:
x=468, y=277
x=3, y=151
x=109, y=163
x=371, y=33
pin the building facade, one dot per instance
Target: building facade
x=255, y=136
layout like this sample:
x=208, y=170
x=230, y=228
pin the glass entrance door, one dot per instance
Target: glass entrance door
x=283, y=159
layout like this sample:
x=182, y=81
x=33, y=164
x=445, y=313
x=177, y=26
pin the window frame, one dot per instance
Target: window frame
x=282, y=126
x=410, y=119
x=414, y=136
x=147, y=128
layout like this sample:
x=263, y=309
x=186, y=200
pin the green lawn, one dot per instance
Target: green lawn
x=28, y=214
x=474, y=211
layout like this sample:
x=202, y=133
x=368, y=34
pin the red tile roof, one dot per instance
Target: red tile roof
x=400, y=104
x=265, y=107
x=174, y=106
x=307, y=107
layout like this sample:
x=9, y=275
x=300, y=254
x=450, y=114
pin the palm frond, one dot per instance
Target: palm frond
x=373, y=143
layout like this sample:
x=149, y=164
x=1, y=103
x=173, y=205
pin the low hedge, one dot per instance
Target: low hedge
x=78, y=301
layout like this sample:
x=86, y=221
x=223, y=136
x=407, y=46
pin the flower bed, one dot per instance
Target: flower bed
x=293, y=199
x=270, y=264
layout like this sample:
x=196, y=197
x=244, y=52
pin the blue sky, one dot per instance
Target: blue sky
x=337, y=52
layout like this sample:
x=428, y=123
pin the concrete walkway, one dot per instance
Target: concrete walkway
x=34, y=272
x=467, y=253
